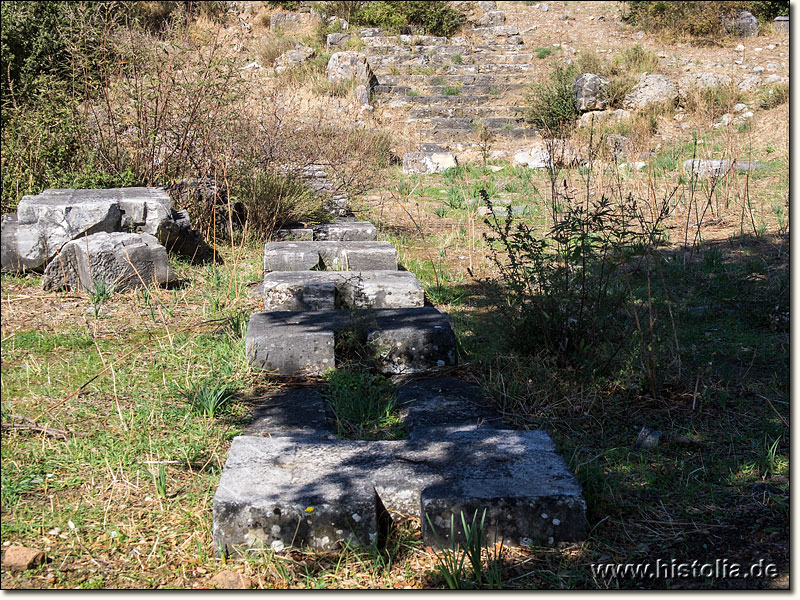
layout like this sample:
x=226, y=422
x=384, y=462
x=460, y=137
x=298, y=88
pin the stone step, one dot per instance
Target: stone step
x=479, y=69
x=378, y=41
x=452, y=49
x=400, y=340
x=321, y=290
x=329, y=256
x=339, y=231
x=439, y=101
x=471, y=124
x=439, y=90
x=465, y=112
x=308, y=491
x=449, y=134
x=426, y=81
x=414, y=59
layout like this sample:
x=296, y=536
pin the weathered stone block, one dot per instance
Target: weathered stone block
x=781, y=24
x=428, y=162
x=436, y=406
x=346, y=231
x=22, y=246
x=294, y=234
x=412, y=340
x=337, y=40
x=316, y=290
x=649, y=90
x=292, y=23
x=402, y=340
x=309, y=491
x=293, y=58
x=526, y=488
x=291, y=343
x=744, y=24
x=590, y=92
x=349, y=65
x=329, y=256
x=298, y=411
x=718, y=168
x=126, y=260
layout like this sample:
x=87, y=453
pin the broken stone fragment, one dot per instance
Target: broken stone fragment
x=20, y=558
x=124, y=260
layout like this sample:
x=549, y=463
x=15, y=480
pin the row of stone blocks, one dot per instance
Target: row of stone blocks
x=289, y=482
x=310, y=290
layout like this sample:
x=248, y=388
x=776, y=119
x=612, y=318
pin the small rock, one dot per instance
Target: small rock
x=739, y=107
x=230, y=580
x=771, y=47
x=758, y=69
x=740, y=48
x=543, y=7
x=648, y=438
x=20, y=558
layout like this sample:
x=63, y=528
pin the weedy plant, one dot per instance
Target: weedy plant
x=206, y=396
x=453, y=560
x=100, y=291
x=363, y=405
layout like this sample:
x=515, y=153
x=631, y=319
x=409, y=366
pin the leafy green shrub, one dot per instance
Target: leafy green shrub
x=435, y=18
x=363, y=405
x=551, y=103
x=769, y=9
x=543, y=52
x=565, y=293
x=700, y=19
x=43, y=147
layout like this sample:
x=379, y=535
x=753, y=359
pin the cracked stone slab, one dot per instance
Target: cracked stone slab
x=401, y=340
x=329, y=256
x=315, y=290
x=296, y=490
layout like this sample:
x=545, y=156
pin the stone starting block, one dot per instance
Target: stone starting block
x=401, y=340
x=329, y=256
x=317, y=290
x=306, y=491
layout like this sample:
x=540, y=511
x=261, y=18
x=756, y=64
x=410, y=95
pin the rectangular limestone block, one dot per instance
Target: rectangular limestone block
x=290, y=343
x=275, y=492
x=401, y=340
x=329, y=256
x=294, y=234
x=412, y=340
x=307, y=491
x=525, y=486
x=316, y=290
x=346, y=231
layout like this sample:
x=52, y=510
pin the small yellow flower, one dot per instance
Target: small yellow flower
x=310, y=509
